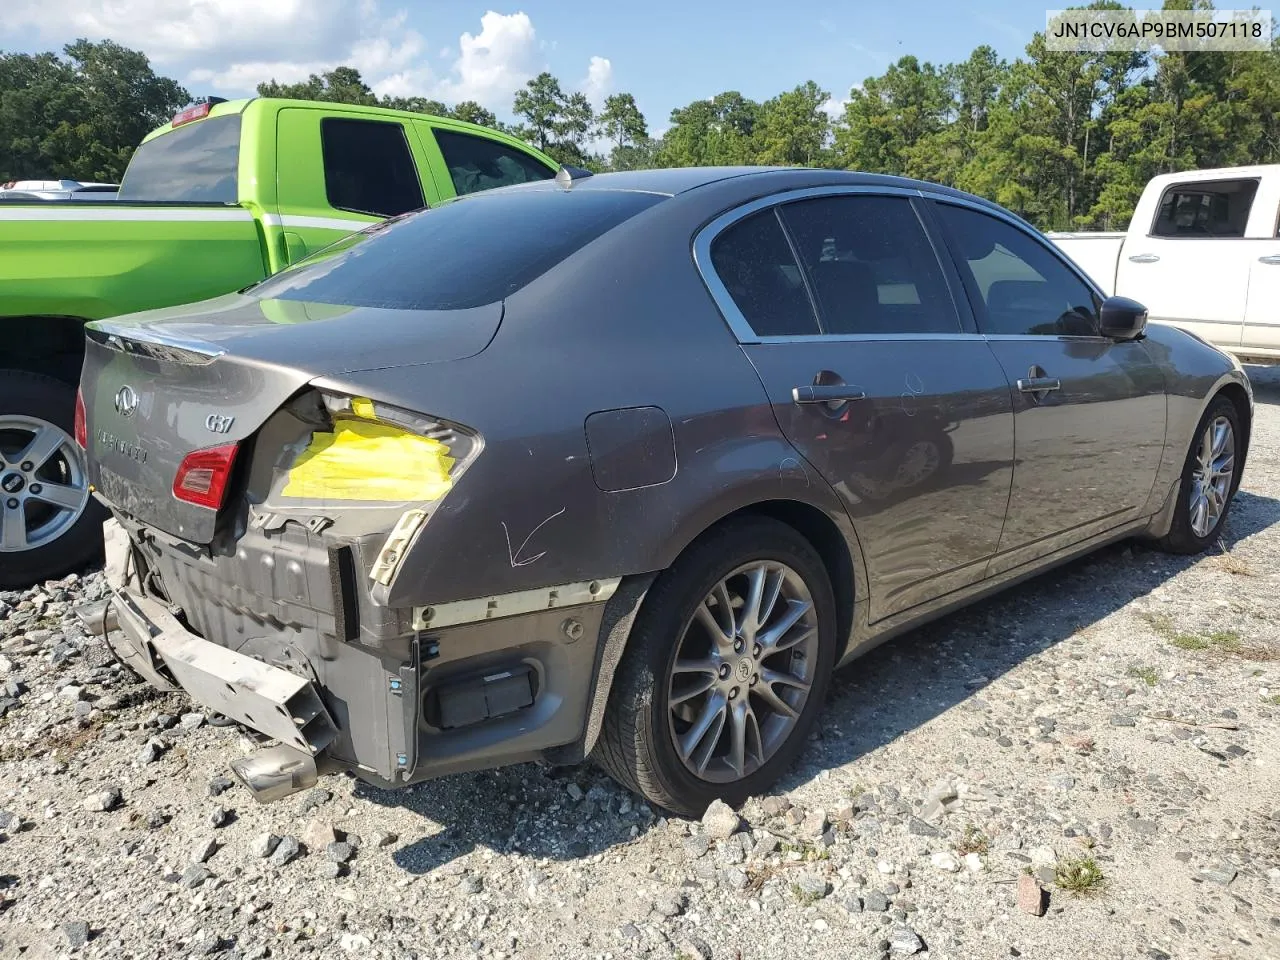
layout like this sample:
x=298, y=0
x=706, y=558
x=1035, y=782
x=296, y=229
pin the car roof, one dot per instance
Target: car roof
x=673, y=181
x=753, y=180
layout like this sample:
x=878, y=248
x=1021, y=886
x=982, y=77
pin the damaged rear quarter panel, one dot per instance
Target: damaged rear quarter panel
x=594, y=334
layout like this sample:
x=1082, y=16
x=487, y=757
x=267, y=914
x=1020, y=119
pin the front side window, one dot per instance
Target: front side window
x=1210, y=208
x=478, y=163
x=870, y=265
x=1018, y=286
x=753, y=260
x=368, y=167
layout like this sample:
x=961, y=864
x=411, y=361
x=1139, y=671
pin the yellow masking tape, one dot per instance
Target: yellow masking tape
x=362, y=407
x=363, y=460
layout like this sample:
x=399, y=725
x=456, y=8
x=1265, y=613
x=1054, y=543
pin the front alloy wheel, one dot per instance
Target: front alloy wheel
x=1212, y=475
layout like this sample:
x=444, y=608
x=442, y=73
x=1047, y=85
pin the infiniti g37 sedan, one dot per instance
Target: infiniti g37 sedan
x=624, y=467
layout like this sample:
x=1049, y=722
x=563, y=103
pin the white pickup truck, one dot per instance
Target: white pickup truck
x=1202, y=253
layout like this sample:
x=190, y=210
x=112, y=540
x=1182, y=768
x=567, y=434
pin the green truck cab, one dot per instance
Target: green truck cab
x=225, y=195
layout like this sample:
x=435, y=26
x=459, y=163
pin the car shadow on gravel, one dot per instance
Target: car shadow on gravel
x=571, y=814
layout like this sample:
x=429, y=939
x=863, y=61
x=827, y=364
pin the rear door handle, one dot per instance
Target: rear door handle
x=1144, y=258
x=1039, y=384
x=822, y=393
x=1274, y=261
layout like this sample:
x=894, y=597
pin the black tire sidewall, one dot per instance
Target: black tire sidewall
x=51, y=400
x=693, y=577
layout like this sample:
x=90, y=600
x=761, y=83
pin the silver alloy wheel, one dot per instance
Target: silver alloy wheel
x=743, y=671
x=1211, y=476
x=43, y=487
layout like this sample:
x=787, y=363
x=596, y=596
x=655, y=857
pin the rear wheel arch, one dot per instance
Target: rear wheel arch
x=52, y=346
x=841, y=559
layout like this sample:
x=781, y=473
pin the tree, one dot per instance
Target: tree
x=339, y=85
x=539, y=104
x=432, y=108
x=621, y=121
x=889, y=116
x=556, y=123
x=792, y=128
x=80, y=117
x=472, y=112
x=711, y=132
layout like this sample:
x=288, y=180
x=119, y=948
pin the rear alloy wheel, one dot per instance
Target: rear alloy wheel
x=743, y=671
x=1210, y=476
x=725, y=669
x=49, y=524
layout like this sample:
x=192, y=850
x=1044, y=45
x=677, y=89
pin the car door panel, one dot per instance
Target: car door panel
x=850, y=319
x=1087, y=451
x=1262, y=312
x=922, y=461
x=1089, y=412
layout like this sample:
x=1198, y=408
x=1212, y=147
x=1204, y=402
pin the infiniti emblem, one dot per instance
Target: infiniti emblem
x=126, y=401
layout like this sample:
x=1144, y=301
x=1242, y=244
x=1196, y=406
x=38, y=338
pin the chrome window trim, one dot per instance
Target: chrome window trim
x=707, y=235
x=741, y=329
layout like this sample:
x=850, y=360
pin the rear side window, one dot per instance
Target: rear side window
x=753, y=260
x=368, y=167
x=1211, y=208
x=478, y=163
x=194, y=163
x=463, y=253
x=871, y=266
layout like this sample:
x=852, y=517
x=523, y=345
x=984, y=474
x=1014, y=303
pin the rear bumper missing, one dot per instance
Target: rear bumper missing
x=473, y=685
x=278, y=704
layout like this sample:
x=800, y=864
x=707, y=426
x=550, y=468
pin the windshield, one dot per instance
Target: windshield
x=464, y=253
x=195, y=163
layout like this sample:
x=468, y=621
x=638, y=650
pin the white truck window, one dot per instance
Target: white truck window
x=1207, y=208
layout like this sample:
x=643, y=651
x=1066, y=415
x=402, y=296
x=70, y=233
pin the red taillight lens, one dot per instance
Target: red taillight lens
x=203, y=476
x=192, y=113
x=82, y=431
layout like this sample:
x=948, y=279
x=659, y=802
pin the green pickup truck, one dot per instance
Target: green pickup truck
x=225, y=195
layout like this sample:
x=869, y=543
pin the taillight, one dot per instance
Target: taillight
x=82, y=431
x=204, y=474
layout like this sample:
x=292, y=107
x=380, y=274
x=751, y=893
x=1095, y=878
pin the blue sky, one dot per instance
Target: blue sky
x=667, y=53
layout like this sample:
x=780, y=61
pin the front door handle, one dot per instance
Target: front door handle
x=1144, y=258
x=1039, y=384
x=1274, y=260
x=827, y=393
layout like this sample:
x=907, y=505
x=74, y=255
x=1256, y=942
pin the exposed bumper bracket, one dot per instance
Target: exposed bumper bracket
x=513, y=604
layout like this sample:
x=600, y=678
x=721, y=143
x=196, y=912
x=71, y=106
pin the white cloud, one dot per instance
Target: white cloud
x=229, y=46
x=834, y=107
x=493, y=64
x=599, y=81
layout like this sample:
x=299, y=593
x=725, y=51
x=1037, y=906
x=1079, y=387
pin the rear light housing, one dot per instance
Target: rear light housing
x=197, y=111
x=81, y=429
x=204, y=475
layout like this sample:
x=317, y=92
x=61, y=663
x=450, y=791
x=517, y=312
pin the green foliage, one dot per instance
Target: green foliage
x=555, y=122
x=340, y=85
x=79, y=115
x=1080, y=876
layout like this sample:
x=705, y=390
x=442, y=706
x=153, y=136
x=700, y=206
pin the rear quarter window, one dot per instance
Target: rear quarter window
x=463, y=253
x=196, y=163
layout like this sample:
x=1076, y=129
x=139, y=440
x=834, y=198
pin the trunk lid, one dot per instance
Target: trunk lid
x=160, y=385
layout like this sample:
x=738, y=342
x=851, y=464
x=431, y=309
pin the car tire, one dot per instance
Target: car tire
x=650, y=710
x=1189, y=533
x=30, y=403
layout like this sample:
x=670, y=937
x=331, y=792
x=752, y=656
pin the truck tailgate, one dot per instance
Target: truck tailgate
x=1097, y=254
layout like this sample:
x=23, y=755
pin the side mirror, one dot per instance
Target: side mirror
x=1122, y=318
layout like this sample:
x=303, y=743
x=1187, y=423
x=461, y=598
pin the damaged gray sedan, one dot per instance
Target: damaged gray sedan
x=624, y=466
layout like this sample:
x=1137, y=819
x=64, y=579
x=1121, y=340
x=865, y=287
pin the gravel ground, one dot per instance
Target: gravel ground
x=1087, y=766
